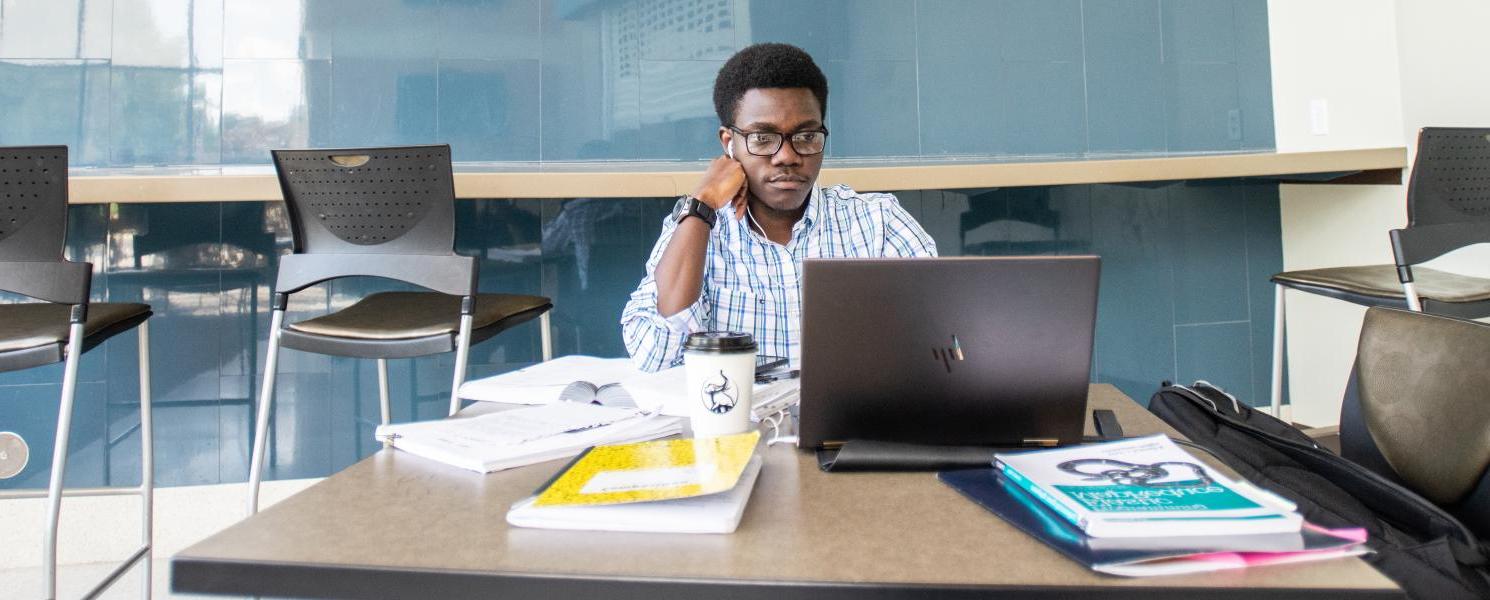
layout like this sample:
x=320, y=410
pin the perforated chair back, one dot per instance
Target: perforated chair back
x=1448, y=197
x=33, y=226
x=370, y=200
x=1450, y=177
x=33, y=203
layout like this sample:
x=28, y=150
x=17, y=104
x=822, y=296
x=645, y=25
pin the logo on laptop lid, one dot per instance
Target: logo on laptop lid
x=947, y=355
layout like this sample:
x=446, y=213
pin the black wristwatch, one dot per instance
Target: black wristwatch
x=693, y=207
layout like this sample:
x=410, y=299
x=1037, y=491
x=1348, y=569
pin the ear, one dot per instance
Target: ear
x=726, y=139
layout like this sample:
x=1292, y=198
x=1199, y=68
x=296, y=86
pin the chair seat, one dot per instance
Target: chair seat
x=405, y=315
x=24, y=326
x=34, y=334
x=1363, y=283
x=408, y=324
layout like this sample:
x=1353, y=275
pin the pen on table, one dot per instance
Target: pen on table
x=769, y=377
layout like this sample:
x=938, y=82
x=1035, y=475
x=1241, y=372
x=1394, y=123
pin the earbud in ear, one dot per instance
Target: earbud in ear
x=730, y=150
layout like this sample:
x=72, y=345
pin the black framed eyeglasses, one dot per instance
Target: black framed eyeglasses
x=768, y=143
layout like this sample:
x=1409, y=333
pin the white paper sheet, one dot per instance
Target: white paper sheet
x=523, y=436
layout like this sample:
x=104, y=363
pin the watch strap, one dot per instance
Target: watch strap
x=693, y=207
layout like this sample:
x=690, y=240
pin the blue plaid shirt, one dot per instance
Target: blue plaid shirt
x=754, y=285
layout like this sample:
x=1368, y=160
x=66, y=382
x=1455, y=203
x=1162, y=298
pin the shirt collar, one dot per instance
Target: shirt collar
x=814, y=209
x=809, y=217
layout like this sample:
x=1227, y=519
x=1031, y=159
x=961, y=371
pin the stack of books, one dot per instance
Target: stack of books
x=1146, y=507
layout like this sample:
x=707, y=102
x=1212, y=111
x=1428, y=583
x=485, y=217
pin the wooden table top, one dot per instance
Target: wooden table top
x=397, y=526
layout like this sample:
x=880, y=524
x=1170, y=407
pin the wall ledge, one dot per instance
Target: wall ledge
x=669, y=179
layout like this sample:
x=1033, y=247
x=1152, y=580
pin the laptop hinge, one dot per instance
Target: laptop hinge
x=1044, y=442
x=831, y=444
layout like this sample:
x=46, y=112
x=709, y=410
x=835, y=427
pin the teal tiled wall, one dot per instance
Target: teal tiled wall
x=154, y=82
x=142, y=82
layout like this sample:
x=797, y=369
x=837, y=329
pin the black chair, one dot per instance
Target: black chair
x=33, y=234
x=1448, y=208
x=380, y=212
x=1416, y=409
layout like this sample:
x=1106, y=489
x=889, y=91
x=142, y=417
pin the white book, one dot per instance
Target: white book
x=1145, y=487
x=713, y=513
x=523, y=436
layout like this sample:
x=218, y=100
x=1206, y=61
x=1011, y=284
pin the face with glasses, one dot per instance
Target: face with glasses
x=778, y=138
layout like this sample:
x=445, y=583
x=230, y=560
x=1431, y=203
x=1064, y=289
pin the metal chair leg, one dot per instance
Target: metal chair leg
x=59, y=457
x=147, y=459
x=383, y=393
x=1279, y=349
x=1414, y=303
x=462, y=353
x=266, y=399
x=146, y=491
x=546, y=333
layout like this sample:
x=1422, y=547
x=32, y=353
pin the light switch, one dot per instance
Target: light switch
x=1319, y=116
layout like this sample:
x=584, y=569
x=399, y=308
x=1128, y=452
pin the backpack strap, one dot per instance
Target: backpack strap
x=1462, y=542
x=1473, y=554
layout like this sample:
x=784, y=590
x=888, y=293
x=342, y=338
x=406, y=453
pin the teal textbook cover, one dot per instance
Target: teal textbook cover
x=1139, y=557
x=1144, y=487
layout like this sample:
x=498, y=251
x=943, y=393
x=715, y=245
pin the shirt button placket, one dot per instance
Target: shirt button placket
x=791, y=268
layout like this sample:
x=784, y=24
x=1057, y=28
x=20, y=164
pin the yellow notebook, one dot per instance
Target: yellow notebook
x=648, y=471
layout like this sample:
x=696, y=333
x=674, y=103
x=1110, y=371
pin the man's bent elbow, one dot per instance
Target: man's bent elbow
x=644, y=346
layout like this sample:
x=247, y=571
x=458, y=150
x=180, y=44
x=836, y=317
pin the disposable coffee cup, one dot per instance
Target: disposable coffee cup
x=721, y=375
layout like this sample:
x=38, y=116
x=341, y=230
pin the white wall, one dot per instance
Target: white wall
x=1445, y=82
x=1343, y=52
x=1385, y=68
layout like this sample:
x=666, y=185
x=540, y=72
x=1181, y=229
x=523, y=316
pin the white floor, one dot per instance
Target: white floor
x=97, y=532
x=75, y=580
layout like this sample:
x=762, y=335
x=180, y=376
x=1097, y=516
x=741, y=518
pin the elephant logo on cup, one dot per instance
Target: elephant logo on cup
x=719, y=394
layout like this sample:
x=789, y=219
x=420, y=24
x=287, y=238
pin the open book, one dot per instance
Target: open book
x=544, y=382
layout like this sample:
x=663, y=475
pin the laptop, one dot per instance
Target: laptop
x=988, y=351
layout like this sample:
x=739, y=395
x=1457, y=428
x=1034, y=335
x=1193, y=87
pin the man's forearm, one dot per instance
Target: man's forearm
x=680, y=273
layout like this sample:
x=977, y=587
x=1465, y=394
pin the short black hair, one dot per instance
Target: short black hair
x=768, y=65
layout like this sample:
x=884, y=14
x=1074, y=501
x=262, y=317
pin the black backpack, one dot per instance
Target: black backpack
x=1427, y=551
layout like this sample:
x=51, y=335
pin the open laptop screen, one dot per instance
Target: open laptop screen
x=966, y=350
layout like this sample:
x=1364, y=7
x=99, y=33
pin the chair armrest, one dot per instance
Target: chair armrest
x=1422, y=243
x=60, y=281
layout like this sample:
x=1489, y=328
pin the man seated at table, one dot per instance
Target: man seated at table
x=730, y=255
